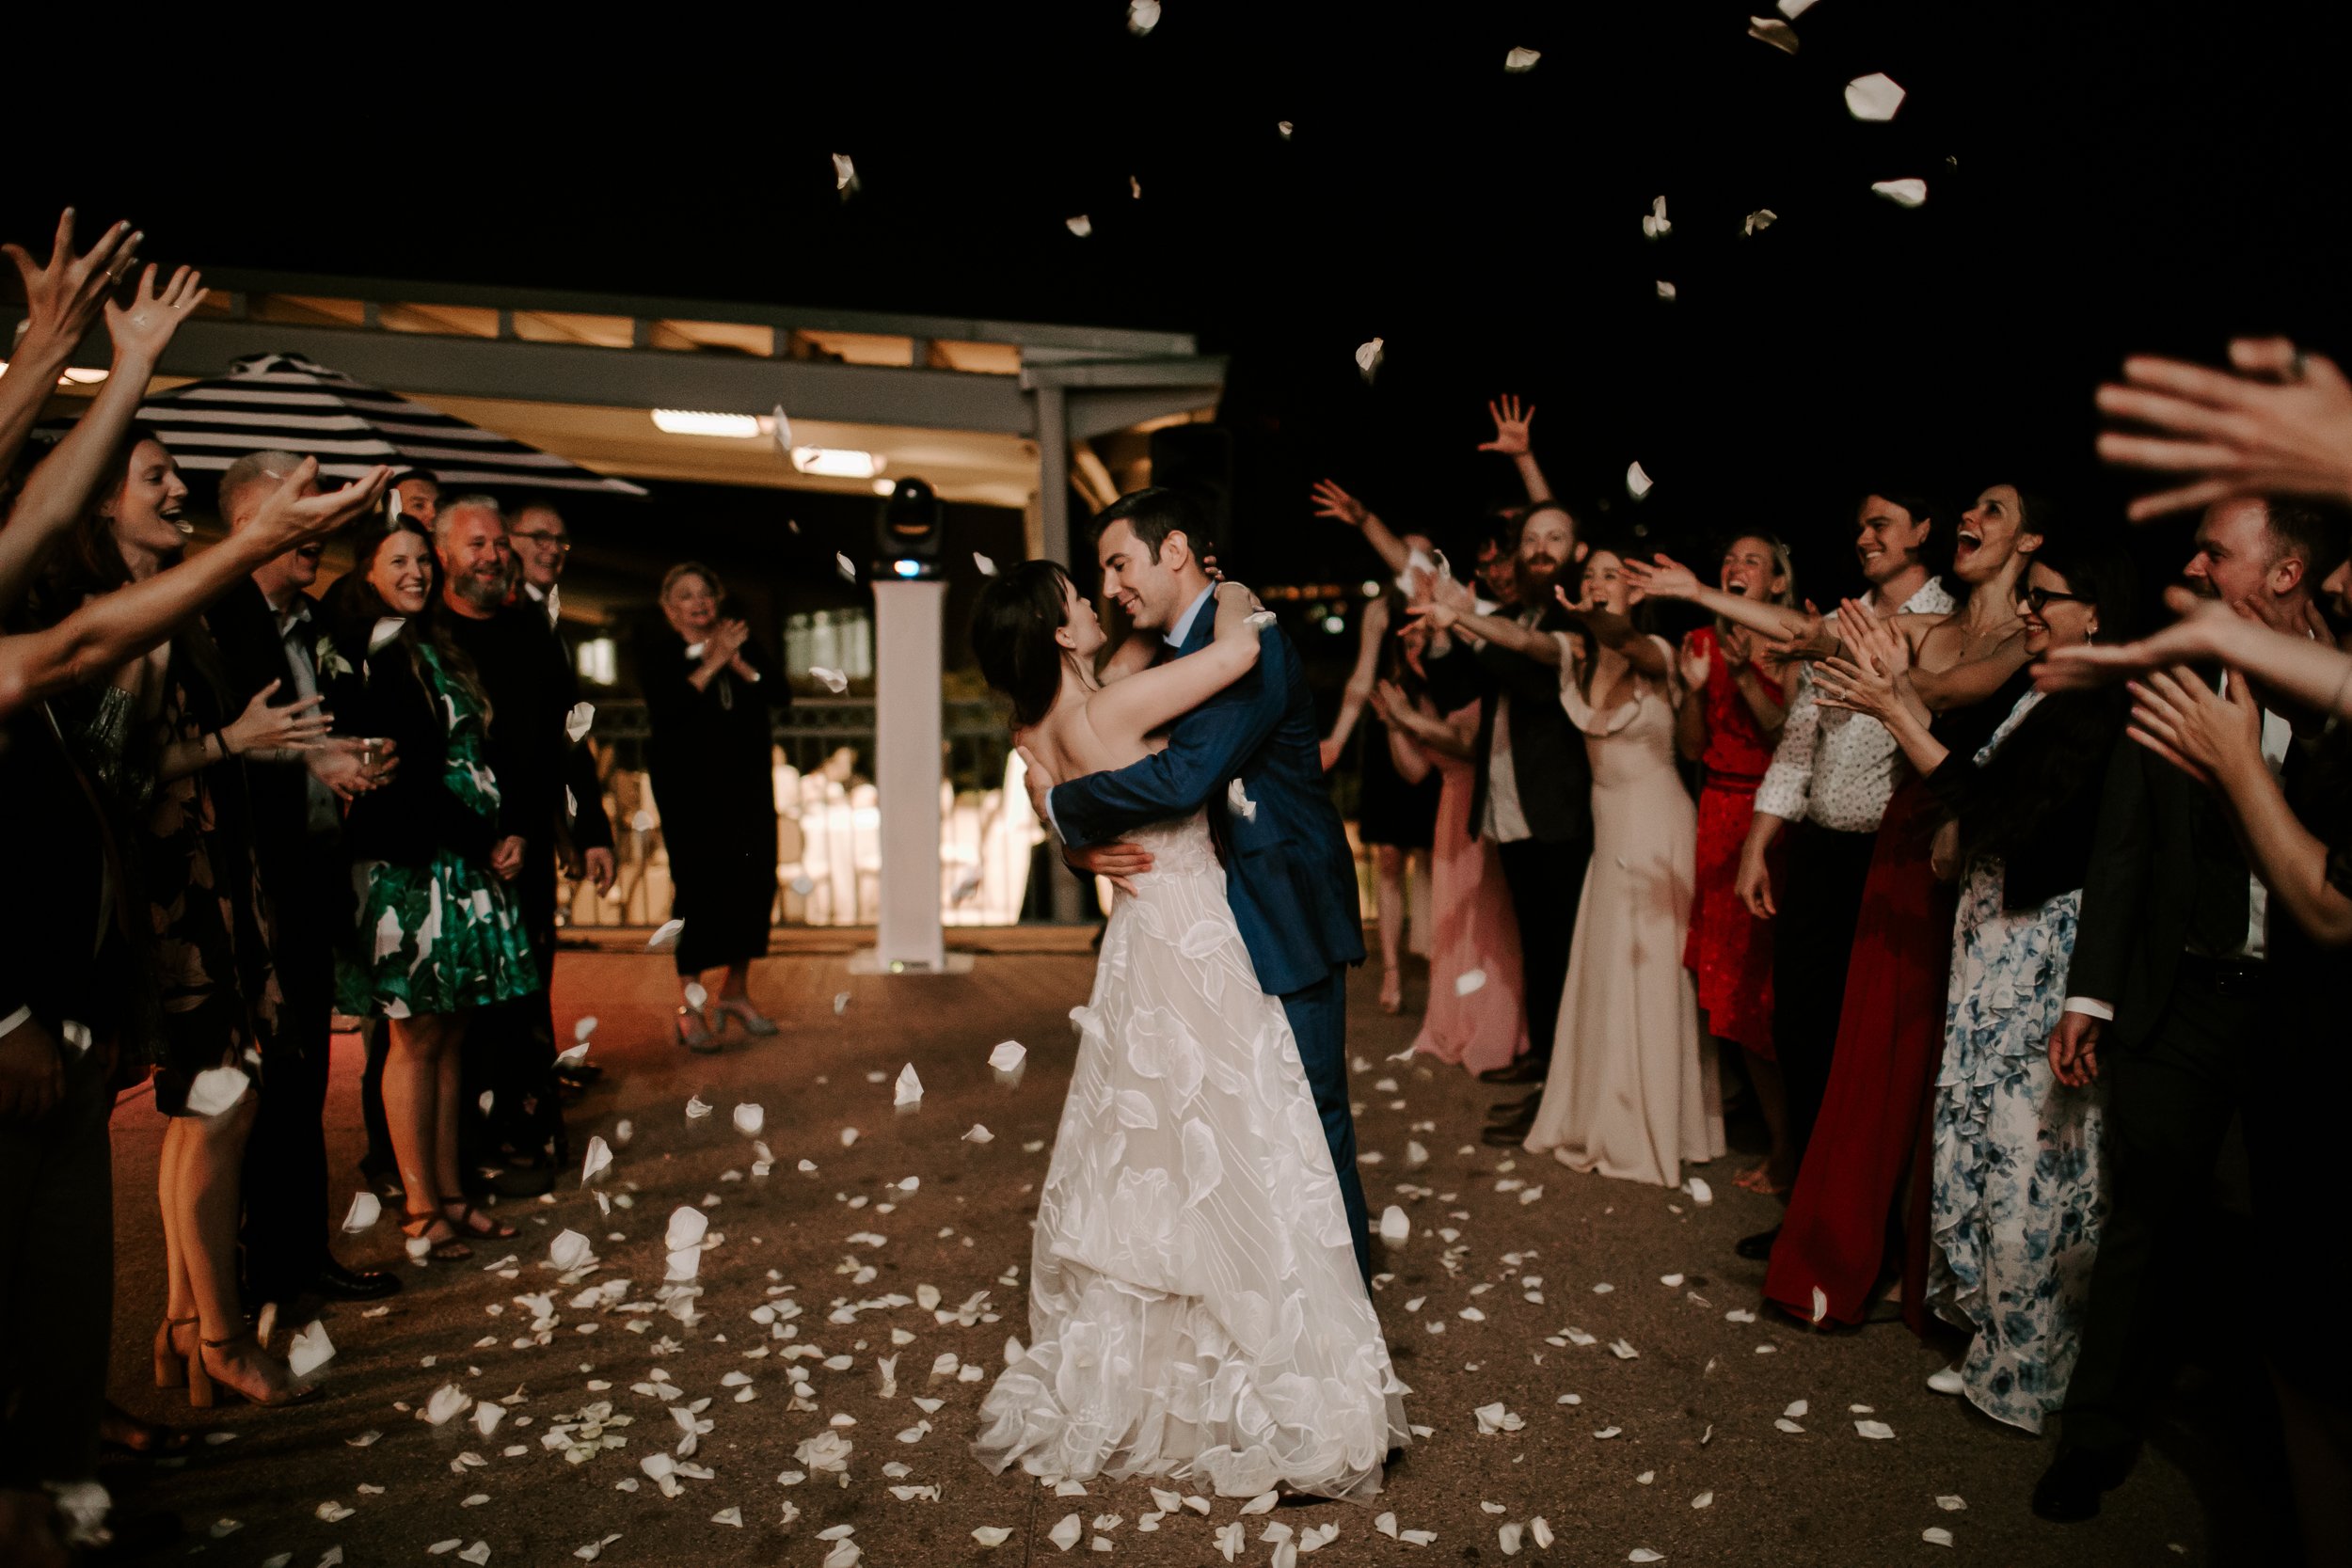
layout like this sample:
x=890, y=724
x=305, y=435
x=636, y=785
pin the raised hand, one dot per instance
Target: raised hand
x=1451, y=595
x=1697, y=663
x=1332, y=501
x=1511, y=423
x=1661, y=578
x=288, y=517
x=2280, y=425
x=2203, y=733
x=296, y=726
x=143, y=329
x=62, y=295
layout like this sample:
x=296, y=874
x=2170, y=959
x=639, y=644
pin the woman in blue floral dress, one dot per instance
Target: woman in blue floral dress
x=2020, y=1183
x=439, y=930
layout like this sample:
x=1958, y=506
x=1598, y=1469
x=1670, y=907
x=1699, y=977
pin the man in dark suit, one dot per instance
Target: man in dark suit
x=1289, y=874
x=264, y=630
x=542, y=548
x=531, y=690
x=2164, y=993
x=1532, y=793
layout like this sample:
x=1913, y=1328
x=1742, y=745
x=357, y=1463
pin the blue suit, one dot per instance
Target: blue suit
x=1288, y=872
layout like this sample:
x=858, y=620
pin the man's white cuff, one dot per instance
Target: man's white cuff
x=2091, y=1009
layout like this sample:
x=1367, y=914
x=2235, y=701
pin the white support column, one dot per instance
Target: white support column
x=907, y=620
x=1053, y=495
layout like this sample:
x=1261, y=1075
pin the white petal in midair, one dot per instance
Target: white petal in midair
x=366, y=1209
x=1142, y=16
x=1772, y=30
x=1666, y=291
x=1470, y=980
x=664, y=938
x=1873, y=97
x=1237, y=799
x=842, y=564
x=1654, y=223
x=1081, y=226
x=1637, y=482
x=1519, y=62
x=576, y=721
x=832, y=680
x=909, y=1090
x=986, y=568
x=844, y=175
x=1283, y=128
x=309, y=1351
x=749, y=1120
x=1902, y=193
x=599, y=1160
x=215, y=1089
x=1757, y=221
x=1795, y=8
x=1368, y=356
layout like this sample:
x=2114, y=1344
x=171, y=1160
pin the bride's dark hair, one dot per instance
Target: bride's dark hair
x=1012, y=635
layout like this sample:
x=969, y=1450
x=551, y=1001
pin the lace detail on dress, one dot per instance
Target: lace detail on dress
x=1194, y=1311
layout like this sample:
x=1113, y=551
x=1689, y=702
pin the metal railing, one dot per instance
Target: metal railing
x=828, y=849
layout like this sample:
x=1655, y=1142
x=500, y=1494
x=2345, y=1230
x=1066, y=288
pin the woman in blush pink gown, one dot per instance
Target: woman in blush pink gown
x=1475, y=1019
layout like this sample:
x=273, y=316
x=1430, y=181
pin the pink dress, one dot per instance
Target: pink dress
x=1476, y=1017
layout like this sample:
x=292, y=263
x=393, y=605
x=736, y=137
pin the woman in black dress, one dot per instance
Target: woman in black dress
x=164, y=745
x=709, y=691
x=1397, y=815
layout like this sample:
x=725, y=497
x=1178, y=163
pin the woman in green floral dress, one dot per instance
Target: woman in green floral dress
x=439, y=931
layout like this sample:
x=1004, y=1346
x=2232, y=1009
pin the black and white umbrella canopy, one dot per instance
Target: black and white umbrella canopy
x=285, y=401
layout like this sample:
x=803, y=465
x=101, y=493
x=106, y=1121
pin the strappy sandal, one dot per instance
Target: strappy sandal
x=171, y=1362
x=740, y=1009
x=205, y=1384
x=467, y=1217
x=446, y=1248
x=693, y=1034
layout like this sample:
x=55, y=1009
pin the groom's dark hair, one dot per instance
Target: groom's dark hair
x=1152, y=515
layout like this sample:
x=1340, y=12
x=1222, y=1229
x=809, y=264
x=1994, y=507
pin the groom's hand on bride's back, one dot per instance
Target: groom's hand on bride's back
x=1117, y=862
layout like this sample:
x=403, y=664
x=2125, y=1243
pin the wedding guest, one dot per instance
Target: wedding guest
x=1396, y=816
x=2164, y=1004
x=529, y=687
x=1474, y=1016
x=162, y=740
x=1738, y=699
x=2297, y=832
x=543, y=548
x=709, y=694
x=1828, y=785
x=420, y=495
x=270, y=641
x=1868, y=1159
x=439, y=932
x=1531, y=790
x=1629, y=1094
x=2019, y=1161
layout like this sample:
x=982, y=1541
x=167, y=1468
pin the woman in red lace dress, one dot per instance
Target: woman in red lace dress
x=1730, y=732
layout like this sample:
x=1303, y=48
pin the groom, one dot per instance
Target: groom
x=1251, y=755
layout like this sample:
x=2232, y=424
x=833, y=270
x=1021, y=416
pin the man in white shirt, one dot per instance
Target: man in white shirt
x=2164, y=989
x=1832, y=775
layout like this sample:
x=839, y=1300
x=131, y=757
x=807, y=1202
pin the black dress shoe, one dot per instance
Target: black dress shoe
x=337, y=1283
x=2068, y=1492
x=1507, y=1135
x=1758, y=1247
x=1527, y=1070
x=1521, y=1109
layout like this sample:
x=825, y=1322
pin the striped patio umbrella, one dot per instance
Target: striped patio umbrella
x=284, y=400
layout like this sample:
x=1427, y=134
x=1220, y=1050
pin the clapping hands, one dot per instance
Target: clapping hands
x=1867, y=679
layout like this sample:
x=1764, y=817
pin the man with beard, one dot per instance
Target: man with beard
x=2165, y=1002
x=1831, y=778
x=511, y=1046
x=1532, y=791
x=265, y=628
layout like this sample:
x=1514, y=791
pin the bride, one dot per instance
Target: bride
x=1195, y=1307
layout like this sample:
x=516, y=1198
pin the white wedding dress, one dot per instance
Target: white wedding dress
x=1194, y=1311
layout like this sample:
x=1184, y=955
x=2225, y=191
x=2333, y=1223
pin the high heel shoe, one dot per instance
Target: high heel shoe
x=1392, y=990
x=740, y=1009
x=693, y=1034
x=171, y=1362
x=205, y=1380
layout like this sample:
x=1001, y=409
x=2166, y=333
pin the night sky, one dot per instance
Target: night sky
x=2102, y=177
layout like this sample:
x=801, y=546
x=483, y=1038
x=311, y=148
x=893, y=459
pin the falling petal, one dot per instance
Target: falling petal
x=842, y=564
x=1283, y=129
x=1470, y=980
x=1821, y=1306
x=1772, y=30
x=1081, y=226
x=215, y=1089
x=832, y=680
x=1142, y=16
x=844, y=175
x=1873, y=97
x=749, y=1120
x=1902, y=193
x=366, y=1209
x=1519, y=62
x=576, y=721
x=664, y=938
x=1637, y=482
x=1757, y=221
x=1007, y=1056
x=1368, y=356
x=1666, y=291
x=310, y=1350
x=986, y=568
x=908, y=1089
x=1654, y=223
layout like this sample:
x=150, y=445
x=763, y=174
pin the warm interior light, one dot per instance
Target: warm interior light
x=836, y=462
x=883, y=487
x=689, y=421
x=74, y=375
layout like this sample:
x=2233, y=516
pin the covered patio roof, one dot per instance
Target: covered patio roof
x=988, y=411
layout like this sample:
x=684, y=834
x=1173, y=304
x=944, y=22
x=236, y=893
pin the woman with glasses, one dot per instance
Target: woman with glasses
x=2018, y=1194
